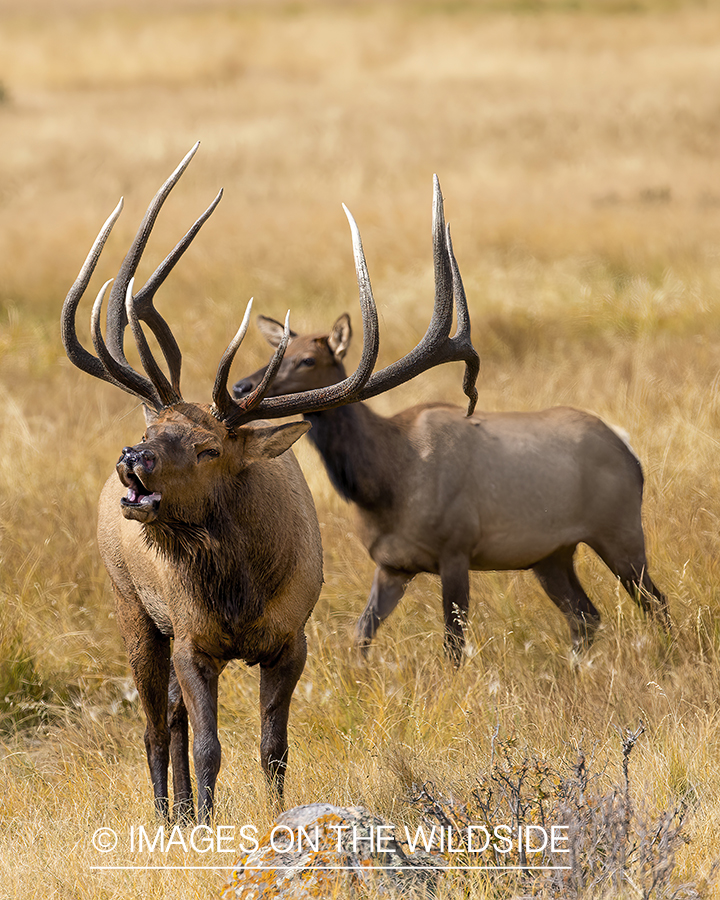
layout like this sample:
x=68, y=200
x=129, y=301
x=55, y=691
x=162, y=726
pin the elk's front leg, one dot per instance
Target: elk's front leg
x=198, y=674
x=149, y=656
x=455, y=579
x=183, y=809
x=277, y=683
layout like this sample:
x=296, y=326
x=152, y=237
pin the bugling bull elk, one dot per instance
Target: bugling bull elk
x=209, y=534
x=440, y=492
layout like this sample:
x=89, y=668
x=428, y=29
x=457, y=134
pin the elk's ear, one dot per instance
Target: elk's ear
x=265, y=441
x=272, y=330
x=340, y=336
x=150, y=415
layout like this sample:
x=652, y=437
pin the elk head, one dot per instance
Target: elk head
x=310, y=361
x=189, y=450
x=178, y=471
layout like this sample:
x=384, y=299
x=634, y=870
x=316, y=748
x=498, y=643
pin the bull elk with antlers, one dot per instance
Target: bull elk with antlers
x=209, y=534
x=440, y=492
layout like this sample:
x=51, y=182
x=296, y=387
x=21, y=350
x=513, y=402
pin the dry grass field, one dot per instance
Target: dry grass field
x=577, y=148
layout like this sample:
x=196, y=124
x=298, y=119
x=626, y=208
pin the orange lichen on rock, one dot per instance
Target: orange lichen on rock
x=322, y=851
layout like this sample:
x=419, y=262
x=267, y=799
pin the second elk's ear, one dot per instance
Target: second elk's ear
x=340, y=337
x=272, y=330
x=263, y=440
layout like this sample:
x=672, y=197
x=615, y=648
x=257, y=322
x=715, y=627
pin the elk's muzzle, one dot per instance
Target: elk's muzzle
x=133, y=468
x=242, y=387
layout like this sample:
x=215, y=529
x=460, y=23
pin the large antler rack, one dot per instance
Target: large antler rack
x=157, y=391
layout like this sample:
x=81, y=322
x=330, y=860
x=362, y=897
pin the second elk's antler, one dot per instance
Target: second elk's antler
x=156, y=391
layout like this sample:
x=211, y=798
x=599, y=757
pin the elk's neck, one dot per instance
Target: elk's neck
x=223, y=562
x=362, y=452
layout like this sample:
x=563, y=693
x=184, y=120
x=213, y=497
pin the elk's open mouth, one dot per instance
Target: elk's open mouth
x=139, y=502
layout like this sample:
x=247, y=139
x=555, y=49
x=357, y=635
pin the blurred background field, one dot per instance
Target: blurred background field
x=577, y=148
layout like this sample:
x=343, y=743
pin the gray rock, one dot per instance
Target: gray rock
x=321, y=851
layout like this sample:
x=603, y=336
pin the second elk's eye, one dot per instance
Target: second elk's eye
x=210, y=453
x=309, y=361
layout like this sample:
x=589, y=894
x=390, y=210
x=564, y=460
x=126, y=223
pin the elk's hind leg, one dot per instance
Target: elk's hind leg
x=556, y=574
x=149, y=656
x=386, y=592
x=628, y=562
x=277, y=683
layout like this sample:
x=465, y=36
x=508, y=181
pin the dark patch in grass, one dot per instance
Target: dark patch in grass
x=26, y=699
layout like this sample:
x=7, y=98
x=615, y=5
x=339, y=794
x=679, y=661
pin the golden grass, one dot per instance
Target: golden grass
x=577, y=154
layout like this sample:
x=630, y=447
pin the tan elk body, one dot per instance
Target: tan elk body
x=437, y=491
x=232, y=572
x=208, y=529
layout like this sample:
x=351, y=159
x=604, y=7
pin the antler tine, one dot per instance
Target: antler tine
x=371, y=335
x=255, y=397
x=461, y=340
x=76, y=353
x=143, y=300
x=435, y=344
x=120, y=374
x=167, y=393
x=346, y=391
x=117, y=319
x=223, y=404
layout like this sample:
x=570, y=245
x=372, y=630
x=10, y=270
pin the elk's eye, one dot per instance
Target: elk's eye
x=210, y=453
x=308, y=361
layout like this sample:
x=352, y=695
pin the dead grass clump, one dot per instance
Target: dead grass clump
x=557, y=833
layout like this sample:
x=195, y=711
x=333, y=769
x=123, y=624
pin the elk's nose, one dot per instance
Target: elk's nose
x=242, y=387
x=132, y=458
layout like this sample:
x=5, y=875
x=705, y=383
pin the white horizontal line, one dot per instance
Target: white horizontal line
x=328, y=868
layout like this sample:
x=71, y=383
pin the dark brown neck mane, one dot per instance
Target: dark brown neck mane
x=356, y=446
